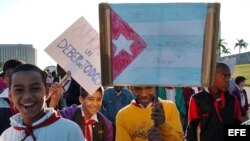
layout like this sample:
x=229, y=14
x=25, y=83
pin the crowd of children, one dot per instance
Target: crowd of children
x=132, y=113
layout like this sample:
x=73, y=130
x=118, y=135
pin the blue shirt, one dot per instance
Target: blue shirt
x=112, y=102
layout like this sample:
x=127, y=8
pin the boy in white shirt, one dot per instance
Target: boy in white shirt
x=27, y=91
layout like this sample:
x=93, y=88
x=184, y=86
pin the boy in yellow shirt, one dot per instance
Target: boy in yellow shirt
x=145, y=120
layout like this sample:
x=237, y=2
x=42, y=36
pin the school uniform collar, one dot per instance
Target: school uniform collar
x=137, y=104
x=93, y=117
x=17, y=120
x=219, y=104
x=118, y=93
x=29, y=131
x=240, y=89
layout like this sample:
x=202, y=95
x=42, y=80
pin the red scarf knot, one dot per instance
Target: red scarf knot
x=29, y=130
x=219, y=104
x=86, y=124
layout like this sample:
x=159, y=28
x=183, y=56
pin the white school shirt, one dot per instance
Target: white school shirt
x=93, y=117
x=60, y=130
x=242, y=97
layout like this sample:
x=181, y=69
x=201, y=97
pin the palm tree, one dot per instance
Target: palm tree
x=241, y=44
x=221, y=48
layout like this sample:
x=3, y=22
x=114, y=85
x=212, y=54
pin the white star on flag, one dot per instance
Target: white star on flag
x=123, y=44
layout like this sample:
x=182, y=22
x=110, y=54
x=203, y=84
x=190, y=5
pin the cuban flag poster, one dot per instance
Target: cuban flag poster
x=157, y=43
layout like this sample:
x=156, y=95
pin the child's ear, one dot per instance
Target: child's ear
x=9, y=97
x=12, y=107
x=80, y=99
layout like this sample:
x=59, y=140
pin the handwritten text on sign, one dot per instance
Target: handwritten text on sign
x=78, y=50
x=81, y=62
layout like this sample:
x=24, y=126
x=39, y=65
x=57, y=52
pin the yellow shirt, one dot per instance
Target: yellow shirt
x=132, y=123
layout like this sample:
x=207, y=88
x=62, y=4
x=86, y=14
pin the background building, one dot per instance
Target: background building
x=25, y=52
x=240, y=58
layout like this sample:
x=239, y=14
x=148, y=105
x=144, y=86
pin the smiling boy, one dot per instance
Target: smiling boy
x=27, y=91
x=95, y=126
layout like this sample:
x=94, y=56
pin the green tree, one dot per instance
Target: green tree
x=221, y=48
x=240, y=44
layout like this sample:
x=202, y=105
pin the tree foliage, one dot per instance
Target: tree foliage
x=240, y=44
x=221, y=48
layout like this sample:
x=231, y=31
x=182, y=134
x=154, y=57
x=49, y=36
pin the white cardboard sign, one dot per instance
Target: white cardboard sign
x=78, y=50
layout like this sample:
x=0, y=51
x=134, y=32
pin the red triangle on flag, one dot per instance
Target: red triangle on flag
x=121, y=60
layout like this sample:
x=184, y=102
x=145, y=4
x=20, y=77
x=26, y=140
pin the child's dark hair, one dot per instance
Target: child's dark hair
x=12, y=63
x=84, y=93
x=221, y=65
x=239, y=79
x=25, y=68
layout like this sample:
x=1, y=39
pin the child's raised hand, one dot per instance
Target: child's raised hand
x=158, y=114
x=54, y=94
